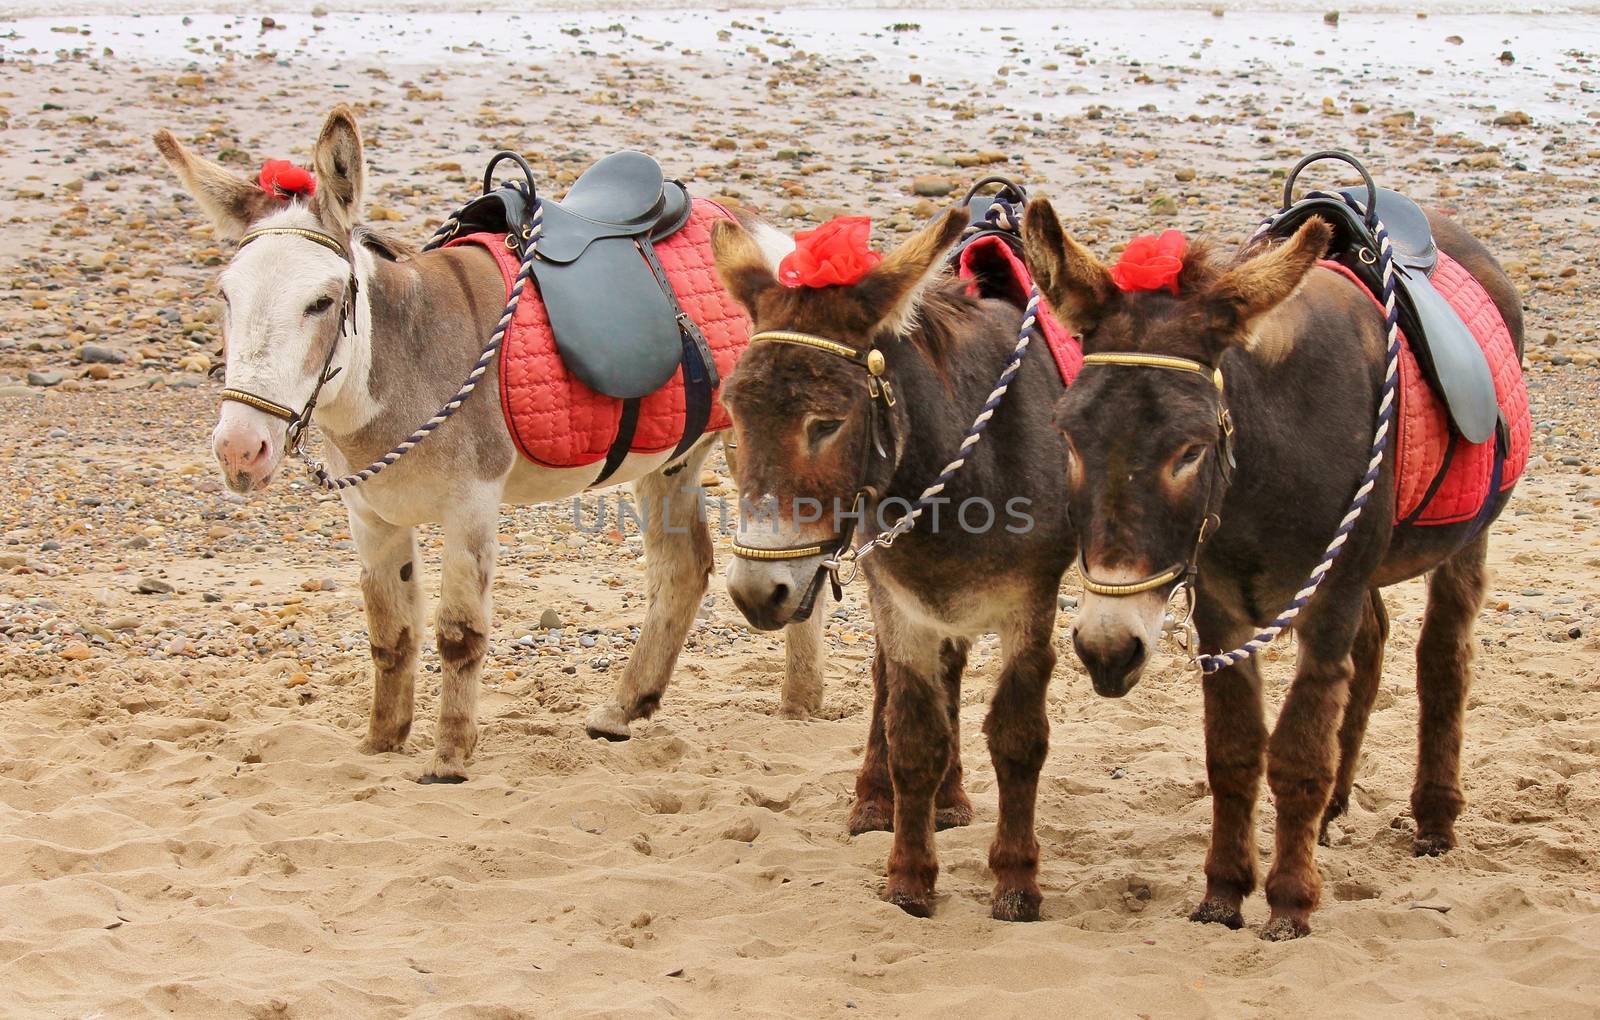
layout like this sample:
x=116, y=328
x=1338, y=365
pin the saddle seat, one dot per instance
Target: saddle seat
x=1447, y=352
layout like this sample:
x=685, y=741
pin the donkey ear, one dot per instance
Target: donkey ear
x=341, y=171
x=1077, y=285
x=895, y=287
x=741, y=263
x=231, y=202
x=1251, y=289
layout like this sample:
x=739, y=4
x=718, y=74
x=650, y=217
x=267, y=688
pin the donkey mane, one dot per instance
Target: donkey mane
x=385, y=243
x=942, y=320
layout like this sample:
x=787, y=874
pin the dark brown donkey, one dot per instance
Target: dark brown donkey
x=810, y=429
x=1301, y=351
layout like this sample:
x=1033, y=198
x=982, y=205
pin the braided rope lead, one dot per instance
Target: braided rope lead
x=536, y=228
x=1380, y=442
x=1013, y=364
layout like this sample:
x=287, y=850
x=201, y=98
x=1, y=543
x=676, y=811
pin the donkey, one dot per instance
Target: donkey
x=418, y=321
x=1302, y=353
x=815, y=422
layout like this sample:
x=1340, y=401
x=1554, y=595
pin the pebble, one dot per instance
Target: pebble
x=550, y=620
x=45, y=378
x=152, y=586
x=91, y=354
x=931, y=187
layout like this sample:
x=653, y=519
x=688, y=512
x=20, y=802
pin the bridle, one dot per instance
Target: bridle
x=837, y=552
x=1179, y=576
x=300, y=420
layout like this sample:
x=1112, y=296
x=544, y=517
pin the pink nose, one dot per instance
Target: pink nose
x=243, y=452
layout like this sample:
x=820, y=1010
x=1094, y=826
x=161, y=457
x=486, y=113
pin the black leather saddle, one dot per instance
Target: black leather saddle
x=1445, y=348
x=616, y=320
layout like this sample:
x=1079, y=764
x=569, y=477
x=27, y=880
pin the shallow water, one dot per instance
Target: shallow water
x=1045, y=61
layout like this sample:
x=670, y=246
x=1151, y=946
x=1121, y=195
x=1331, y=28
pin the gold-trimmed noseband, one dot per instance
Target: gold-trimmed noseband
x=1150, y=583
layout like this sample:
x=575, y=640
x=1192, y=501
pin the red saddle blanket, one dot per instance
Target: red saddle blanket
x=995, y=271
x=557, y=421
x=1440, y=478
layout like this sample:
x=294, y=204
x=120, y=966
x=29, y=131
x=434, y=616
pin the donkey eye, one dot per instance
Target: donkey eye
x=319, y=306
x=1191, y=455
x=820, y=430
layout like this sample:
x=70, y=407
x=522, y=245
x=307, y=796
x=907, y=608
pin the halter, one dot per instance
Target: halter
x=1179, y=576
x=881, y=427
x=299, y=420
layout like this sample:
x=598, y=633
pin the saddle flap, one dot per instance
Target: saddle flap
x=1450, y=357
x=614, y=326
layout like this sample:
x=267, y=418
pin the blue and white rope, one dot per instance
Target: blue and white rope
x=1380, y=442
x=1002, y=214
x=536, y=228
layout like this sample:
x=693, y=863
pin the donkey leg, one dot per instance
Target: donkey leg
x=678, y=561
x=1444, y=673
x=389, y=588
x=1302, y=759
x=951, y=806
x=1236, y=743
x=462, y=629
x=874, y=806
x=918, y=731
x=1367, y=655
x=1019, y=737
x=802, y=674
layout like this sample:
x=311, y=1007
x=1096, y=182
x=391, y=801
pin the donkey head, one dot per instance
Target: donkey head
x=286, y=294
x=814, y=427
x=1149, y=438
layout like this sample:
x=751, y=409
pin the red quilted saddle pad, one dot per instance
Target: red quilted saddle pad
x=557, y=421
x=990, y=261
x=1431, y=457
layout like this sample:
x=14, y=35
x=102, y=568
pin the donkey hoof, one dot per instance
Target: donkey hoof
x=1284, y=929
x=912, y=903
x=952, y=816
x=1016, y=905
x=433, y=777
x=607, y=722
x=372, y=745
x=871, y=816
x=1215, y=912
x=799, y=713
x=1432, y=844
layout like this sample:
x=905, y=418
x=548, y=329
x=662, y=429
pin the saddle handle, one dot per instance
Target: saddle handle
x=1008, y=188
x=1343, y=157
x=495, y=160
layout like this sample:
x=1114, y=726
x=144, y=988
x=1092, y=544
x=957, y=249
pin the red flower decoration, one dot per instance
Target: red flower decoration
x=1151, y=263
x=282, y=179
x=835, y=254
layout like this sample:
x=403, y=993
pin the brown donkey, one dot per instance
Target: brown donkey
x=1302, y=352
x=816, y=426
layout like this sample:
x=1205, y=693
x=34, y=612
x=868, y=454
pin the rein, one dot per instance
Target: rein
x=1185, y=580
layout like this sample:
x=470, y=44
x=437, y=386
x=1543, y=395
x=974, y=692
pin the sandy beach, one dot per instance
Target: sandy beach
x=187, y=828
